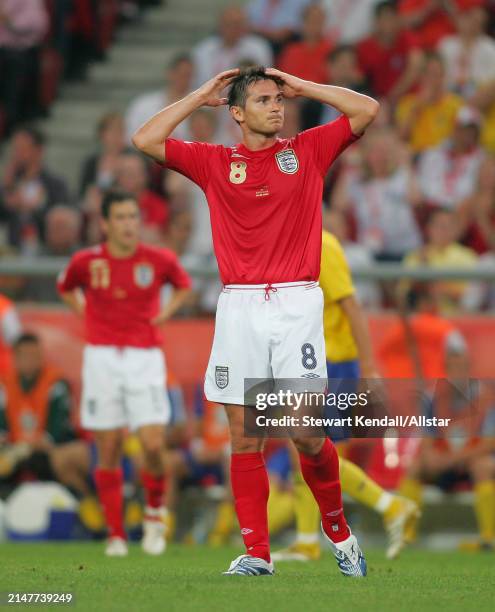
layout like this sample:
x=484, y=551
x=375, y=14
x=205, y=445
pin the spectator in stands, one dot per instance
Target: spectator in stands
x=341, y=69
x=427, y=116
x=23, y=24
x=448, y=175
x=464, y=450
x=36, y=421
x=133, y=177
x=306, y=58
x=430, y=20
x=470, y=61
x=356, y=254
x=439, y=251
x=98, y=170
x=276, y=20
x=390, y=58
x=62, y=239
x=229, y=47
x=178, y=81
x=28, y=191
x=382, y=197
x=10, y=330
x=470, y=53
x=349, y=21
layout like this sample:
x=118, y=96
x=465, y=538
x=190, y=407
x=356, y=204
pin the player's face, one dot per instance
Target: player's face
x=264, y=109
x=28, y=359
x=123, y=224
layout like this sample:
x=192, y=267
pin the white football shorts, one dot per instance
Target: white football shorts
x=267, y=332
x=123, y=387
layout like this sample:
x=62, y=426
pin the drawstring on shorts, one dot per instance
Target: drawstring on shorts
x=269, y=288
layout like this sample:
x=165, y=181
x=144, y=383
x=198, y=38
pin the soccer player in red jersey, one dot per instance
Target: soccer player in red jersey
x=265, y=196
x=116, y=287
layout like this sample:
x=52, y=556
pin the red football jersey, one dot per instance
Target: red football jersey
x=122, y=294
x=265, y=206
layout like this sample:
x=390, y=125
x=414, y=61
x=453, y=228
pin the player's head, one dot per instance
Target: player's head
x=121, y=220
x=28, y=356
x=256, y=101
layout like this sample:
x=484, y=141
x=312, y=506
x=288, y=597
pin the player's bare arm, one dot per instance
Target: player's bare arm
x=151, y=136
x=75, y=301
x=360, y=109
x=178, y=299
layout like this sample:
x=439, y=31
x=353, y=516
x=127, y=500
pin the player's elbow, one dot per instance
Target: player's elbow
x=371, y=108
x=139, y=141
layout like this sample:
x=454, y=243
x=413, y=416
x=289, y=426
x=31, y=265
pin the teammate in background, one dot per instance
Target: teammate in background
x=116, y=287
x=264, y=196
x=349, y=356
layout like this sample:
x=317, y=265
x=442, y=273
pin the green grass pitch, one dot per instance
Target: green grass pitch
x=189, y=578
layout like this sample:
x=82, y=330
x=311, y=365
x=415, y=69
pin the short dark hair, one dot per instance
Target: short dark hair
x=36, y=135
x=386, y=5
x=112, y=197
x=177, y=59
x=339, y=50
x=247, y=77
x=26, y=338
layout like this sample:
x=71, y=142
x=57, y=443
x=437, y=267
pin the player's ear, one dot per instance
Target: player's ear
x=237, y=113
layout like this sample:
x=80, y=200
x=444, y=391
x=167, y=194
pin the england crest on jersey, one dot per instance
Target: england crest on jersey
x=287, y=161
x=221, y=376
x=143, y=275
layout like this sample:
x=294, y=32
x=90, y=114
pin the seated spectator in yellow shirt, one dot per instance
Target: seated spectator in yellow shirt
x=427, y=117
x=442, y=251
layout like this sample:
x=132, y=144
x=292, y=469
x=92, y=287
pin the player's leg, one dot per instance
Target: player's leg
x=250, y=489
x=482, y=471
x=241, y=350
x=109, y=486
x=148, y=411
x=102, y=413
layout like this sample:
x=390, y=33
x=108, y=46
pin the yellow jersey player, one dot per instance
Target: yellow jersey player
x=349, y=356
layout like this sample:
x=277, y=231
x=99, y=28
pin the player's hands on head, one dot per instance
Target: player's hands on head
x=293, y=86
x=211, y=90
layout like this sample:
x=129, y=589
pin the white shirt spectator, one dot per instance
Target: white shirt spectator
x=446, y=180
x=384, y=215
x=144, y=107
x=359, y=256
x=26, y=23
x=466, y=70
x=212, y=56
x=276, y=14
x=349, y=21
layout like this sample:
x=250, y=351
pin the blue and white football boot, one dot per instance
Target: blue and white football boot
x=245, y=565
x=349, y=556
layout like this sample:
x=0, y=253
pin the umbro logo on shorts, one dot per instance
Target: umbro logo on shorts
x=221, y=376
x=245, y=531
x=310, y=375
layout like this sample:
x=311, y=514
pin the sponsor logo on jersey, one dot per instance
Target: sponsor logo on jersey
x=143, y=275
x=221, y=376
x=287, y=161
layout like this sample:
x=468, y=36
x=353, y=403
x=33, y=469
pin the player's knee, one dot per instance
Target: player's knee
x=309, y=446
x=153, y=446
x=240, y=444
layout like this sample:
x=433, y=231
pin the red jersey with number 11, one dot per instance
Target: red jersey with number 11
x=265, y=206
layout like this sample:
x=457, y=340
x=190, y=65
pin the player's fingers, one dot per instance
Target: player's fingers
x=228, y=74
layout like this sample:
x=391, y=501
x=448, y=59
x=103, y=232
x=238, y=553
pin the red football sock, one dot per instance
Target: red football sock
x=321, y=473
x=109, y=487
x=251, y=489
x=154, y=489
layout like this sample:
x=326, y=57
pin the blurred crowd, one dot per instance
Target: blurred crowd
x=418, y=188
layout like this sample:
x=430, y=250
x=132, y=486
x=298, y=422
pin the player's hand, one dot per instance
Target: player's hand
x=161, y=318
x=211, y=91
x=293, y=86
